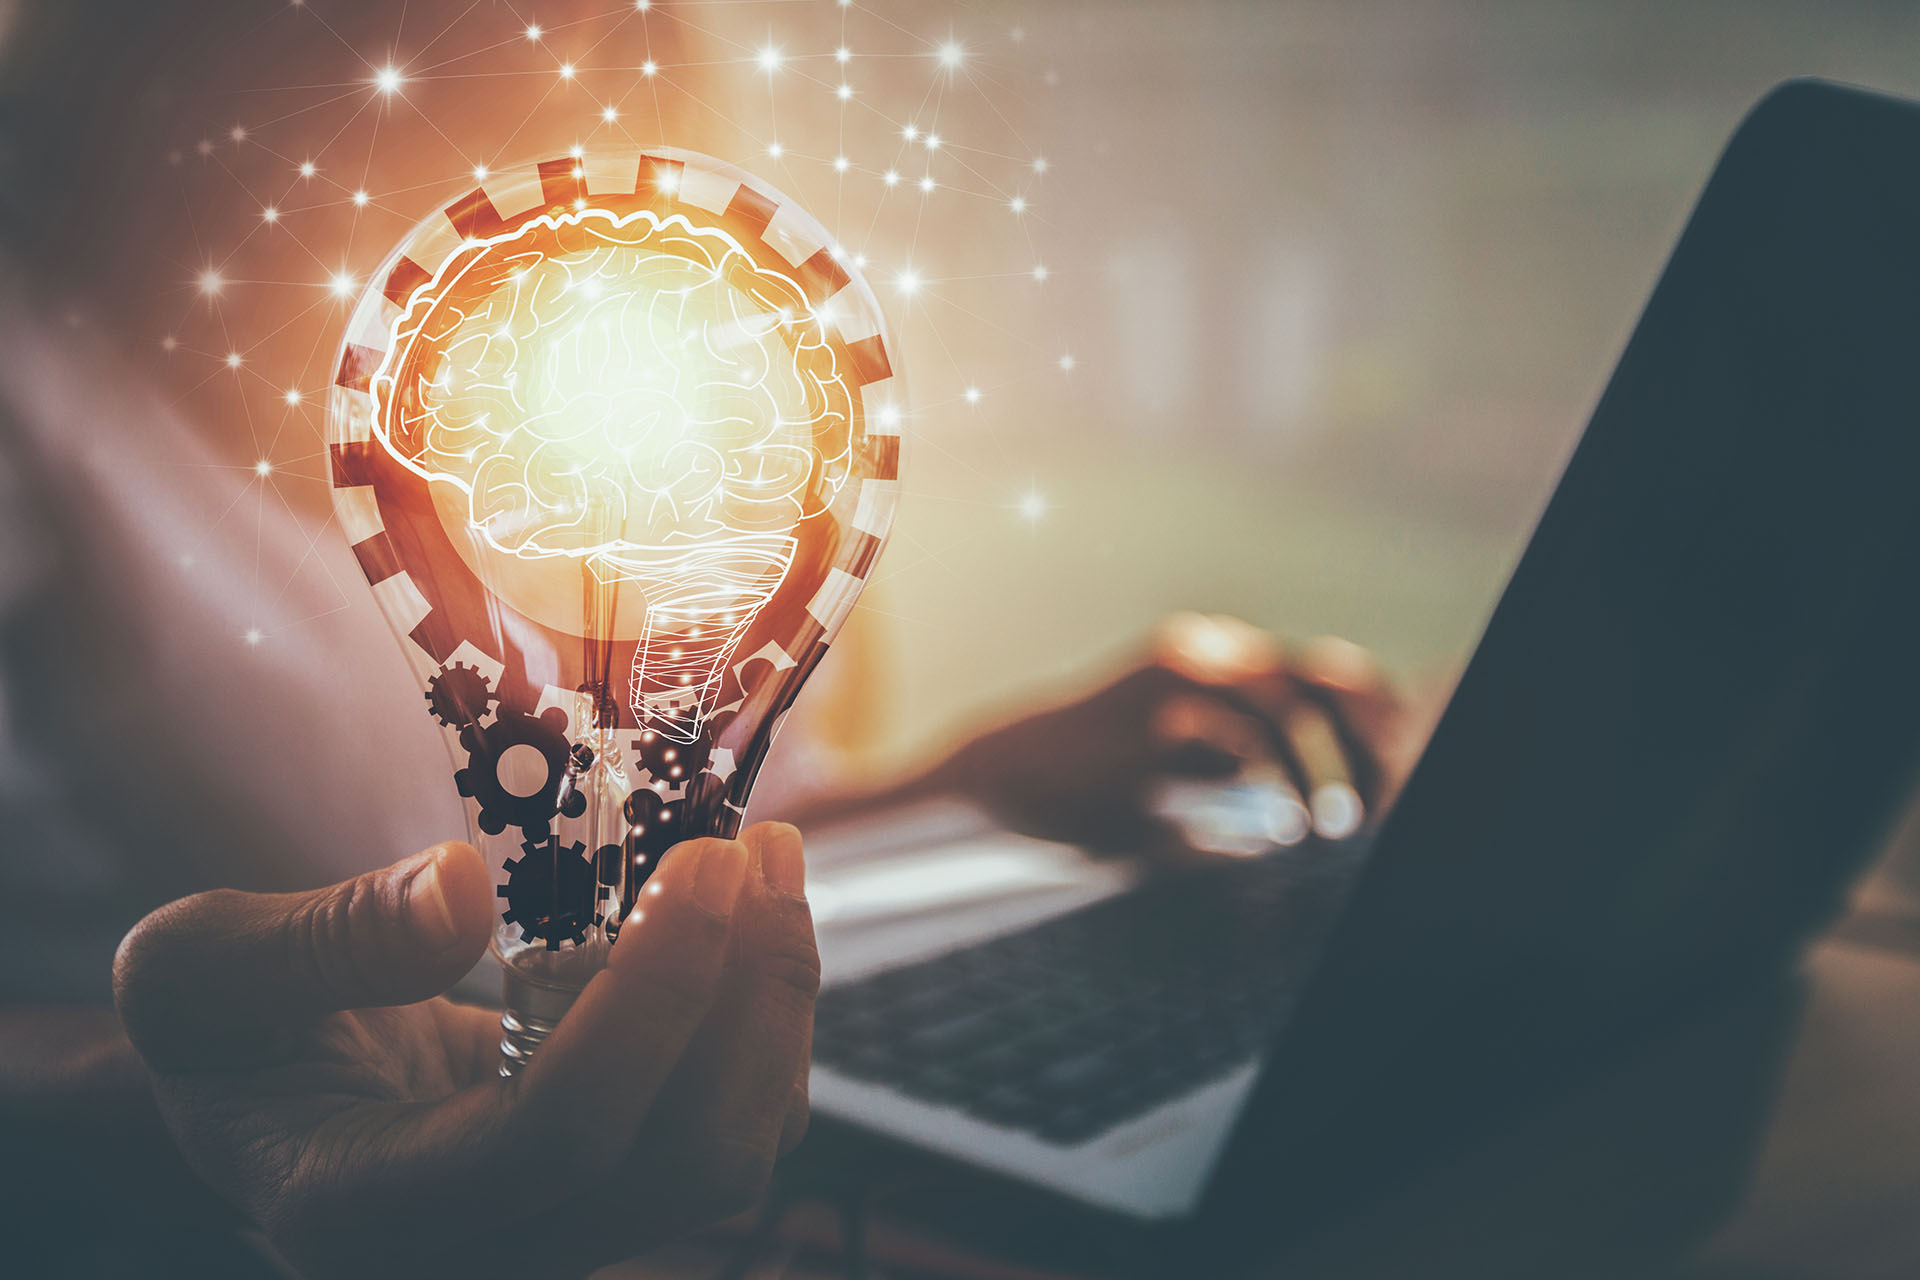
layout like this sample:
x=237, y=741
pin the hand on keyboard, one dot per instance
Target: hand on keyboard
x=1216, y=697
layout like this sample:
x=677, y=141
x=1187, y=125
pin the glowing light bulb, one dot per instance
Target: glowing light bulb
x=617, y=467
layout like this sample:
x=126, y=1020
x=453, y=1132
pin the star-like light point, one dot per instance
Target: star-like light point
x=267, y=275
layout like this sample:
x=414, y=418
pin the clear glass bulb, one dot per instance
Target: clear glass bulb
x=616, y=443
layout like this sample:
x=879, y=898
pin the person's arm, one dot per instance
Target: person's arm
x=1211, y=698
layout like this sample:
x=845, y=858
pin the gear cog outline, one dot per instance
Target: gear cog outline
x=552, y=893
x=480, y=781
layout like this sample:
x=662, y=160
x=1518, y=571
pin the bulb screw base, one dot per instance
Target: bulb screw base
x=532, y=1011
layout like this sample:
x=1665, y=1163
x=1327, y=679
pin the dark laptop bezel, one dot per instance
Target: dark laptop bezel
x=1433, y=1012
x=1788, y=313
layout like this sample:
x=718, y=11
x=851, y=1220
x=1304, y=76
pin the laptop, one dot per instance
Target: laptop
x=1691, y=716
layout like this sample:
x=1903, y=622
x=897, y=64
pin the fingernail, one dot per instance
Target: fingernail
x=717, y=880
x=427, y=903
x=782, y=863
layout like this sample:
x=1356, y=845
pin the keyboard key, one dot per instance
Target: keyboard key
x=1069, y=1028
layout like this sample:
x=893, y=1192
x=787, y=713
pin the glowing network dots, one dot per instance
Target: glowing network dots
x=266, y=306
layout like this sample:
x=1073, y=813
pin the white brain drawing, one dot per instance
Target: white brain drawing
x=618, y=388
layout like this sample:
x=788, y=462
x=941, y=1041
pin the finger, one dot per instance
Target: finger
x=1348, y=685
x=598, y=1075
x=1332, y=800
x=1215, y=649
x=215, y=979
x=1198, y=736
x=735, y=1092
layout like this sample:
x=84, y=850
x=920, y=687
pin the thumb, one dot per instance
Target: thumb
x=212, y=981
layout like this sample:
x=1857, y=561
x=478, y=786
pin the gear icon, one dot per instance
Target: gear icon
x=652, y=820
x=671, y=761
x=657, y=823
x=459, y=695
x=530, y=810
x=551, y=893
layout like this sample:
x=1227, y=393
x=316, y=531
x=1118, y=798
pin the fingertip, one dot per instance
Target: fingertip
x=1340, y=664
x=705, y=874
x=781, y=855
x=467, y=886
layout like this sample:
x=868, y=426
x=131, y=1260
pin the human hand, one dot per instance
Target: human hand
x=1213, y=698
x=308, y=1077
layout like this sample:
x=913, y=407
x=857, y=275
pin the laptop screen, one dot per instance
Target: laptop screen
x=1695, y=706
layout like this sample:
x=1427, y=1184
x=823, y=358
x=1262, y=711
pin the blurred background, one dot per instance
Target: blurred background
x=1338, y=281
x=1286, y=310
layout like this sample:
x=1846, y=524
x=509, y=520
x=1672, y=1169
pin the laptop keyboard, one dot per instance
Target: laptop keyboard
x=1070, y=1027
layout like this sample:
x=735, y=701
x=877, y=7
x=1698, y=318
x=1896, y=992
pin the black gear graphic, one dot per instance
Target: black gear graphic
x=459, y=695
x=657, y=824
x=486, y=744
x=606, y=864
x=653, y=822
x=551, y=894
x=671, y=761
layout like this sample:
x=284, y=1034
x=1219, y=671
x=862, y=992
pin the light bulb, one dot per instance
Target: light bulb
x=616, y=443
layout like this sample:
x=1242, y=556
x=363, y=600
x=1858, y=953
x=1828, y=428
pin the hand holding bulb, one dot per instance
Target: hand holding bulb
x=616, y=446
x=372, y=1136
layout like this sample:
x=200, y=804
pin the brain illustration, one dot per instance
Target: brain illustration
x=631, y=390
